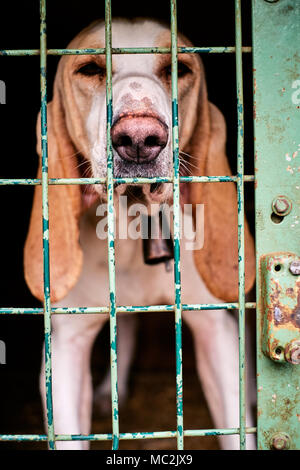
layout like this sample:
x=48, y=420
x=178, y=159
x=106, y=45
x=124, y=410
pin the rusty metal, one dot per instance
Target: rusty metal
x=281, y=306
x=281, y=205
x=292, y=352
x=280, y=441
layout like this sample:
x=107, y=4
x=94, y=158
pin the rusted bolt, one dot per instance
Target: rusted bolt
x=281, y=205
x=295, y=267
x=280, y=441
x=292, y=352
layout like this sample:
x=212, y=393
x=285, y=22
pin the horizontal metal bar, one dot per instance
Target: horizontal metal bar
x=125, y=435
x=45, y=227
x=122, y=309
x=66, y=181
x=124, y=50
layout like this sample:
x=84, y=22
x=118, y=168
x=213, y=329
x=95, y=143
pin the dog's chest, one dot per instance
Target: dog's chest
x=136, y=282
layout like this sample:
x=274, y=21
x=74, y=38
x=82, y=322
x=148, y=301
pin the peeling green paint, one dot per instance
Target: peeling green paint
x=45, y=224
x=84, y=181
x=124, y=436
x=241, y=216
x=122, y=309
x=276, y=39
x=124, y=50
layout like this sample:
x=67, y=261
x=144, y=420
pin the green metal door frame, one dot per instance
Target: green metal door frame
x=276, y=63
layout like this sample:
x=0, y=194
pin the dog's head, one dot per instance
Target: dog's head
x=141, y=136
x=142, y=122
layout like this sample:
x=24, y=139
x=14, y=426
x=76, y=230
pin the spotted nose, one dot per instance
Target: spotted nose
x=139, y=139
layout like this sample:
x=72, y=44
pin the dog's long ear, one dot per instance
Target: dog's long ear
x=64, y=210
x=217, y=261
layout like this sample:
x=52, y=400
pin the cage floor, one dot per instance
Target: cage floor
x=138, y=413
x=151, y=396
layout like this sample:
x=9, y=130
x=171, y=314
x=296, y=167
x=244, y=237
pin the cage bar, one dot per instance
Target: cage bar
x=111, y=230
x=241, y=221
x=127, y=435
x=176, y=224
x=124, y=50
x=45, y=222
x=123, y=309
x=182, y=179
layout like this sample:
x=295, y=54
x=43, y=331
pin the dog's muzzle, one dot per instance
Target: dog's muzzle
x=139, y=139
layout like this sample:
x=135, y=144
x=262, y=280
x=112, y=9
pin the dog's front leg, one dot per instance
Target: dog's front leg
x=72, y=340
x=217, y=354
x=127, y=326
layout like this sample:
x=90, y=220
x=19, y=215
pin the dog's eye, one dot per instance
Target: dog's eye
x=183, y=70
x=91, y=69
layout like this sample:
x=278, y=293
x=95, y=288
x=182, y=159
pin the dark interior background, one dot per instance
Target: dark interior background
x=20, y=410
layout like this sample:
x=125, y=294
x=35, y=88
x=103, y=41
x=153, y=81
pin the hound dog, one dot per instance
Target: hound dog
x=142, y=147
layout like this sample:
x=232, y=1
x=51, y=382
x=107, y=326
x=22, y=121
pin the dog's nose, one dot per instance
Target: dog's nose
x=139, y=139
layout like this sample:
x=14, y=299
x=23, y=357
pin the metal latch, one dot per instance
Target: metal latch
x=280, y=294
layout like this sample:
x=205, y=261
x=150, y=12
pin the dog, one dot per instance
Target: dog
x=142, y=147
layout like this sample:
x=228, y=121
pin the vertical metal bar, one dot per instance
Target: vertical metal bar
x=111, y=229
x=176, y=220
x=241, y=248
x=45, y=212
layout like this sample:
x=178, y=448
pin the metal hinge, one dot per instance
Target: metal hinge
x=280, y=274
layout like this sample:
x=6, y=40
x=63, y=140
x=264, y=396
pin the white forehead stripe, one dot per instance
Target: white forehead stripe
x=142, y=33
x=135, y=33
